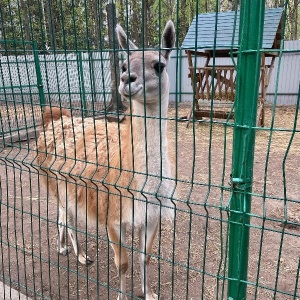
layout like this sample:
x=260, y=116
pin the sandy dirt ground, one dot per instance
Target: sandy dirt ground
x=190, y=258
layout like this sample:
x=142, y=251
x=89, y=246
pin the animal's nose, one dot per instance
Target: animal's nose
x=128, y=79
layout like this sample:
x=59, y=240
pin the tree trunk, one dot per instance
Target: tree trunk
x=95, y=10
x=232, y=4
x=296, y=19
x=115, y=102
x=26, y=22
x=51, y=21
x=135, y=20
x=145, y=24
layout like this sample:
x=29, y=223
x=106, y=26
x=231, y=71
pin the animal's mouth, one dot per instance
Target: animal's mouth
x=130, y=92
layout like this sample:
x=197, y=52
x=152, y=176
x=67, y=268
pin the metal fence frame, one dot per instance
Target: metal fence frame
x=237, y=209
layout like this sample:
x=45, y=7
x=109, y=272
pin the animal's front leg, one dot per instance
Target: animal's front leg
x=147, y=236
x=117, y=237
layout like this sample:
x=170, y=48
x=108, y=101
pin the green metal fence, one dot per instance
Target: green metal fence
x=21, y=93
x=230, y=188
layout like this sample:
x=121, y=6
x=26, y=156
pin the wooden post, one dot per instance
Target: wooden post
x=263, y=92
x=191, y=75
x=261, y=100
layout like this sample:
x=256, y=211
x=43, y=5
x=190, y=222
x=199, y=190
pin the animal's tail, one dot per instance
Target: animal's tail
x=54, y=113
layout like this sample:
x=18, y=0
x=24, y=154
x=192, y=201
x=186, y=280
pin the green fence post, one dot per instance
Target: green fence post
x=249, y=60
x=39, y=79
x=82, y=86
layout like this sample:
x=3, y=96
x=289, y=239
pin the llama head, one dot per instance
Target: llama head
x=144, y=77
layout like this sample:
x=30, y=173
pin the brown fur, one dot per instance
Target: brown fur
x=54, y=113
x=88, y=165
x=115, y=174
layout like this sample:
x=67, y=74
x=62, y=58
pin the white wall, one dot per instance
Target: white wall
x=64, y=76
x=288, y=73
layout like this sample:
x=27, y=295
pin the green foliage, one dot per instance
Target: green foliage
x=61, y=24
x=82, y=24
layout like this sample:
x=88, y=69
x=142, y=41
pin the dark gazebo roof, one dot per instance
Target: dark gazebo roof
x=225, y=39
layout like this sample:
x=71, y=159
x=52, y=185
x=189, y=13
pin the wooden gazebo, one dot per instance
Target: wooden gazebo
x=214, y=79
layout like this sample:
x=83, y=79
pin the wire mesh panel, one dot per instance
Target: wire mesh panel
x=79, y=80
x=114, y=191
x=20, y=85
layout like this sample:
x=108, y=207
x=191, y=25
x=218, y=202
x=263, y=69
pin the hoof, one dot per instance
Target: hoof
x=85, y=260
x=151, y=296
x=64, y=251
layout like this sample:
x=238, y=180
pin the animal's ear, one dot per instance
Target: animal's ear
x=124, y=42
x=168, y=39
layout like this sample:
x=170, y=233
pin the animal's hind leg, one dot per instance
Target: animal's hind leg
x=117, y=236
x=82, y=257
x=61, y=241
x=66, y=220
x=62, y=247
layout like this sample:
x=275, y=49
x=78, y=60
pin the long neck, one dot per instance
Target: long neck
x=149, y=127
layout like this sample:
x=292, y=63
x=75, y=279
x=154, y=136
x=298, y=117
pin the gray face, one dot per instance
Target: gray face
x=144, y=76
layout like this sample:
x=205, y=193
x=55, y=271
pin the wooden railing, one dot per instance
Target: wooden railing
x=214, y=82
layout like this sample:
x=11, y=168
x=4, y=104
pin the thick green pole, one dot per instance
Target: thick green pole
x=38, y=74
x=81, y=76
x=249, y=60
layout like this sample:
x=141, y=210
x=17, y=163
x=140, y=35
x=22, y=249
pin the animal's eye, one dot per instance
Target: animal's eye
x=159, y=67
x=124, y=69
